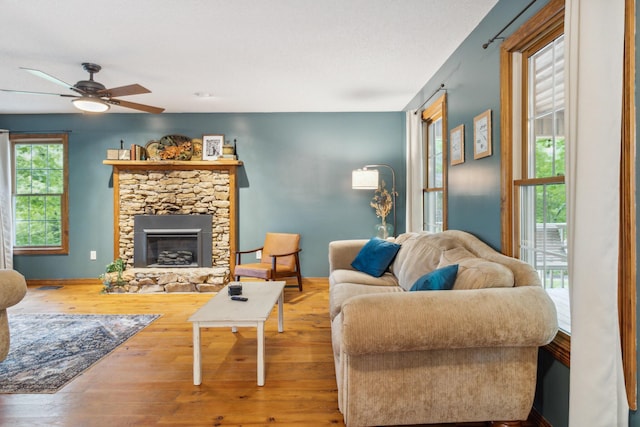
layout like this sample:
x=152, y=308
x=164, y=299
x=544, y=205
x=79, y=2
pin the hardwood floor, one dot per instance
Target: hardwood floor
x=148, y=381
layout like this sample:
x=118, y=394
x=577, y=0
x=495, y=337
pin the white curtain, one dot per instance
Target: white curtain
x=594, y=32
x=414, y=218
x=6, y=221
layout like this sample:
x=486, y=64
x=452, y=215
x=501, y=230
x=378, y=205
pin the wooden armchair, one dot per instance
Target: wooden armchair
x=279, y=259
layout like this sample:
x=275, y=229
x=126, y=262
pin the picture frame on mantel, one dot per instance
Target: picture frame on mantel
x=457, y=145
x=116, y=154
x=482, y=135
x=212, y=146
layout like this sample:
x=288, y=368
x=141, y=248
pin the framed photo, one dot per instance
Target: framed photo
x=212, y=146
x=482, y=135
x=457, y=145
x=115, y=154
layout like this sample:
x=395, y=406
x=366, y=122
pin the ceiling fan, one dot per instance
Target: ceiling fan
x=94, y=97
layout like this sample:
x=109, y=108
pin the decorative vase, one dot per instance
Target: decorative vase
x=384, y=230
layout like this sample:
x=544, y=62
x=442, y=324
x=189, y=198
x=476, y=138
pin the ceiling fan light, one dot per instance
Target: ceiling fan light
x=90, y=105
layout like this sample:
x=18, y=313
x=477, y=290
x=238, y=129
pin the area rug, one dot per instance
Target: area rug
x=49, y=350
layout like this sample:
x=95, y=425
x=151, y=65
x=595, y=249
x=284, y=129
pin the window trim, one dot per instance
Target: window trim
x=547, y=20
x=437, y=110
x=628, y=269
x=63, y=139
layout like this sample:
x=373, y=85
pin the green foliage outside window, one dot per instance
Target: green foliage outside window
x=39, y=188
x=550, y=207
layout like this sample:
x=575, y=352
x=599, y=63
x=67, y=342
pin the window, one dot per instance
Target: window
x=40, y=194
x=435, y=180
x=540, y=203
x=533, y=215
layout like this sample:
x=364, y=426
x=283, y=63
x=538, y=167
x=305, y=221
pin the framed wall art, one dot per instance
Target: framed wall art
x=457, y=145
x=212, y=146
x=482, y=135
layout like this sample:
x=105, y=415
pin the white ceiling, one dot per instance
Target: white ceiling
x=250, y=55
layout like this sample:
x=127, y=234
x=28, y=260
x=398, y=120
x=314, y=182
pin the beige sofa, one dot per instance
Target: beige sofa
x=13, y=288
x=462, y=355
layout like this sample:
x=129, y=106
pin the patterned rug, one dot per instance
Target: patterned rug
x=49, y=350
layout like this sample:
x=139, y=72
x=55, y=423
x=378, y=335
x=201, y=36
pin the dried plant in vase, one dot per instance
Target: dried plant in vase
x=382, y=203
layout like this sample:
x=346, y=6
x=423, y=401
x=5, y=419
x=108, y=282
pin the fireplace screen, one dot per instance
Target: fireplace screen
x=172, y=241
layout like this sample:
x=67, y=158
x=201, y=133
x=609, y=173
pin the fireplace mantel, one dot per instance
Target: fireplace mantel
x=128, y=167
x=173, y=164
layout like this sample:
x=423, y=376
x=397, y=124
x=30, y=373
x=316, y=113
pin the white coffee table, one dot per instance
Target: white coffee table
x=221, y=311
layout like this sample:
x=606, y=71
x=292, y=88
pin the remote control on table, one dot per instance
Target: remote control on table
x=237, y=298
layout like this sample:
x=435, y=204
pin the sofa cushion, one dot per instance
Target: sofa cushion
x=441, y=279
x=354, y=276
x=375, y=256
x=476, y=273
x=454, y=255
x=419, y=255
x=343, y=291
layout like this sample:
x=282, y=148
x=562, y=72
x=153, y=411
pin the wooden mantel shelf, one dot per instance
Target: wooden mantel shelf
x=173, y=164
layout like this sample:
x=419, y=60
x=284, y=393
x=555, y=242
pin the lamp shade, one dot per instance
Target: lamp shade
x=364, y=179
x=91, y=105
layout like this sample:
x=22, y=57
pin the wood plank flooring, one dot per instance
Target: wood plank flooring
x=148, y=381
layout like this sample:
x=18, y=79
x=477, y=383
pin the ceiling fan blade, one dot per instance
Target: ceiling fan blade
x=134, y=89
x=52, y=79
x=38, y=93
x=135, y=106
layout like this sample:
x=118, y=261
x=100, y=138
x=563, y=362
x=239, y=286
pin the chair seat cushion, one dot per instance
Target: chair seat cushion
x=260, y=270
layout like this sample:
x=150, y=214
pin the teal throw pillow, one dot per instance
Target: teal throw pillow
x=375, y=256
x=441, y=279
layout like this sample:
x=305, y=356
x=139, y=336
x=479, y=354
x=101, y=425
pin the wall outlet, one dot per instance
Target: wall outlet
x=93, y=255
x=258, y=254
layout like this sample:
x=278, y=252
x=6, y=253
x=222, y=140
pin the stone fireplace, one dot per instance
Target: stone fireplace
x=175, y=223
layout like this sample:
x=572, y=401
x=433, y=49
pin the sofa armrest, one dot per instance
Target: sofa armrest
x=428, y=320
x=343, y=252
x=13, y=287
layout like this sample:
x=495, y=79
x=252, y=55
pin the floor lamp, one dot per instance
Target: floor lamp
x=368, y=179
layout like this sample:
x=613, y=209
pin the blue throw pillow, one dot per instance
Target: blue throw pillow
x=375, y=256
x=441, y=279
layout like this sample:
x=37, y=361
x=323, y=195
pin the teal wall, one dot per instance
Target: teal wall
x=471, y=76
x=296, y=177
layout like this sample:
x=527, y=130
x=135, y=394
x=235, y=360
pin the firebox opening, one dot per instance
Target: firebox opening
x=165, y=249
x=172, y=241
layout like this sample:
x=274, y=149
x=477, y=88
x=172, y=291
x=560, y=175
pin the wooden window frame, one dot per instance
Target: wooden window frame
x=63, y=248
x=543, y=23
x=437, y=110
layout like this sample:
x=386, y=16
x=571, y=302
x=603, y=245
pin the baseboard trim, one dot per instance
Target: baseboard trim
x=58, y=282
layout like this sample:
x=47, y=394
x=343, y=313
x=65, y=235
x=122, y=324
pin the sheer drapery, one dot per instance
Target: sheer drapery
x=414, y=162
x=594, y=32
x=6, y=221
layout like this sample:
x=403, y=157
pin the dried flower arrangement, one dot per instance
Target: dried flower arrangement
x=180, y=152
x=382, y=202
